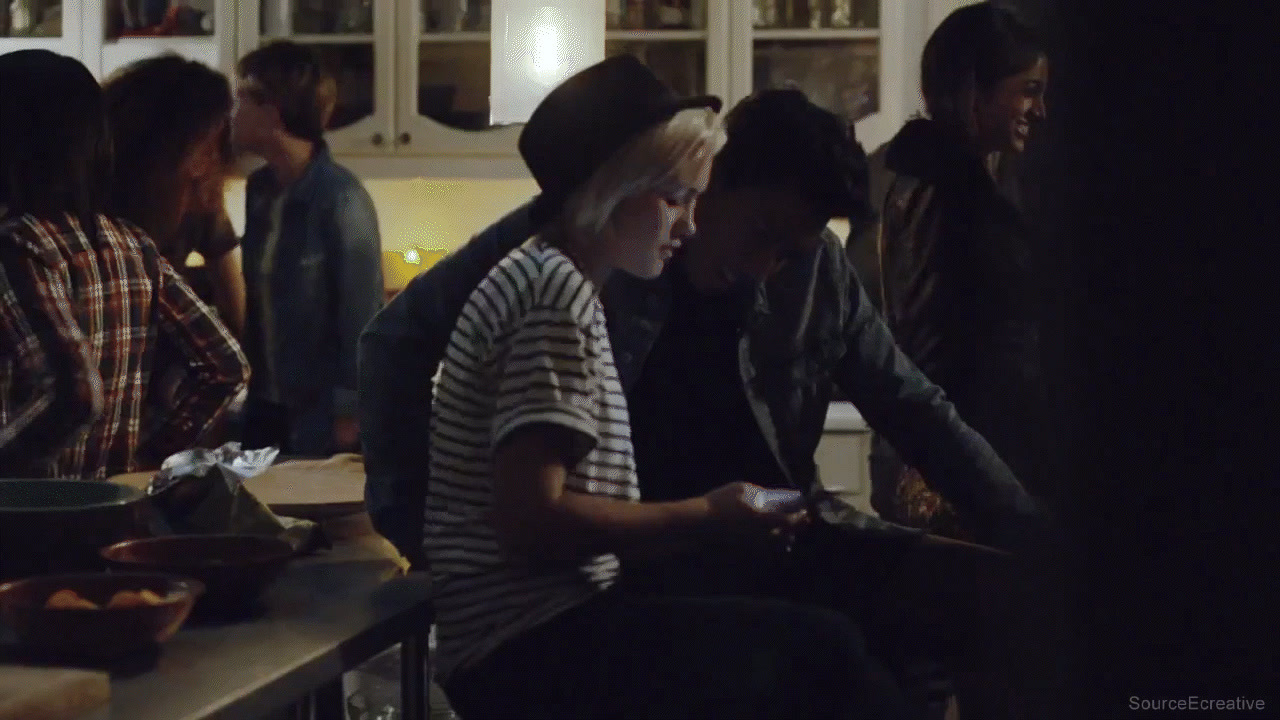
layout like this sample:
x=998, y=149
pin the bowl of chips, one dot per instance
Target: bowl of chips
x=98, y=616
x=235, y=570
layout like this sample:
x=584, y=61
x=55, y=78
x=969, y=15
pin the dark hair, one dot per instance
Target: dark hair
x=295, y=82
x=158, y=110
x=971, y=51
x=778, y=138
x=55, y=152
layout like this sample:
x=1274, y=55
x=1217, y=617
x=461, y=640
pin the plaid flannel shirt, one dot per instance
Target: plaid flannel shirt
x=86, y=324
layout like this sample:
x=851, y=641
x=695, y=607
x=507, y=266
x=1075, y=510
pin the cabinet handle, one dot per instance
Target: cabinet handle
x=405, y=138
x=377, y=138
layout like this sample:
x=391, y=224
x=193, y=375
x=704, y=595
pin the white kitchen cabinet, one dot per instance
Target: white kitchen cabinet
x=844, y=456
x=443, y=64
x=205, y=32
x=355, y=39
x=96, y=33
x=215, y=48
x=413, y=79
x=856, y=57
x=853, y=57
x=413, y=75
x=101, y=36
x=53, y=25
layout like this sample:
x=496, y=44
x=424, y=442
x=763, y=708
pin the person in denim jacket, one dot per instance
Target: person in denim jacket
x=733, y=386
x=312, y=259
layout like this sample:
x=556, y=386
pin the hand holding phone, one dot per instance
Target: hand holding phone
x=770, y=500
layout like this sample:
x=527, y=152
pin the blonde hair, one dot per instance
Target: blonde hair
x=648, y=161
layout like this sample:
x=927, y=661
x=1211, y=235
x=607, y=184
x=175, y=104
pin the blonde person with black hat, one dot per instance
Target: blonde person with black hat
x=533, y=495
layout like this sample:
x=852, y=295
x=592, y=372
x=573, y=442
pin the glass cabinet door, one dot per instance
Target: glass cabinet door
x=353, y=40
x=444, y=48
x=159, y=18
x=130, y=30
x=444, y=108
x=833, y=50
x=674, y=38
x=41, y=24
x=31, y=19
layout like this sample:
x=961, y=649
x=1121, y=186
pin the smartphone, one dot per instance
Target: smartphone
x=777, y=500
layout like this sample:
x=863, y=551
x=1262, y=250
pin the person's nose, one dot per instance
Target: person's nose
x=1039, y=110
x=684, y=226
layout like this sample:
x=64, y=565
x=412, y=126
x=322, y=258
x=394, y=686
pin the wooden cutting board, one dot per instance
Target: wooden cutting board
x=312, y=489
x=307, y=489
x=30, y=693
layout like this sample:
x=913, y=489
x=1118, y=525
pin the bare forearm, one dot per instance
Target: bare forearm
x=625, y=527
x=229, y=292
x=576, y=526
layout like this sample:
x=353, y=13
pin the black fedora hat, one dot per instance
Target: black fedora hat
x=587, y=118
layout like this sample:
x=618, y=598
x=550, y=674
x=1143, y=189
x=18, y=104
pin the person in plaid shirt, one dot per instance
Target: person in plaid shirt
x=90, y=312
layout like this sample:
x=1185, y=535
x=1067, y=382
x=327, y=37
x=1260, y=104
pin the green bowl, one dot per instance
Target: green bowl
x=55, y=526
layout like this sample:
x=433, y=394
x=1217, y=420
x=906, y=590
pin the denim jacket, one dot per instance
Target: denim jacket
x=325, y=286
x=812, y=328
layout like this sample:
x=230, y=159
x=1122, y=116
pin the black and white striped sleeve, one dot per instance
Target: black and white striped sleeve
x=549, y=372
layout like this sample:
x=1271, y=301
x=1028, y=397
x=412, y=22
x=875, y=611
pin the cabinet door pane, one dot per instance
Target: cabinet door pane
x=453, y=62
x=150, y=18
x=842, y=76
x=282, y=18
x=453, y=83
x=682, y=64
x=816, y=14
x=351, y=65
x=656, y=14
x=31, y=18
x=444, y=16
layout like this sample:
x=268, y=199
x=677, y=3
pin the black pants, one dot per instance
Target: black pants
x=914, y=604
x=629, y=657
x=266, y=424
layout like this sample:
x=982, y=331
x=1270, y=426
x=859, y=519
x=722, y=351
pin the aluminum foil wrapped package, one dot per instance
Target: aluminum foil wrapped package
x=202, y=491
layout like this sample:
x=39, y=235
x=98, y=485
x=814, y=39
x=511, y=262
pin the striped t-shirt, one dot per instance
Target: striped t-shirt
x=530, y=347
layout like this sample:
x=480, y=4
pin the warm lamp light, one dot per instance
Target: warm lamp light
x=536, y=44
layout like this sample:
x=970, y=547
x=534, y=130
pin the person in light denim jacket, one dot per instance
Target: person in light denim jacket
x=312, y=259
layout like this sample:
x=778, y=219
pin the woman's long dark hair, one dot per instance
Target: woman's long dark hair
x=970, y=52
x=159, y=109
x=55, y=151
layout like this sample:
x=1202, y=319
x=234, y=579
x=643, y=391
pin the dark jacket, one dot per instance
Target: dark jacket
x=862, y=243
x=959, y=289
x=326, y=284
x=812, y=328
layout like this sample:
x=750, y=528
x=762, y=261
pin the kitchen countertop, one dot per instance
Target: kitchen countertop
x=326, y=615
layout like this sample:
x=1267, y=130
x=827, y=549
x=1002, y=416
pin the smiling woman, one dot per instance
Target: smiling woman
x=957, y=271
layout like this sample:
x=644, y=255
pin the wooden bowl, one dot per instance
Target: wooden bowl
x=102, y=633
x=58, y=526
x=235, y=569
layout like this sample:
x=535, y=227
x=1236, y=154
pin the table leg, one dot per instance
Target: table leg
x=413, y=676
x=328, y=702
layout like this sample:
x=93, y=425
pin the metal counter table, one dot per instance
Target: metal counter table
x=326, y=615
